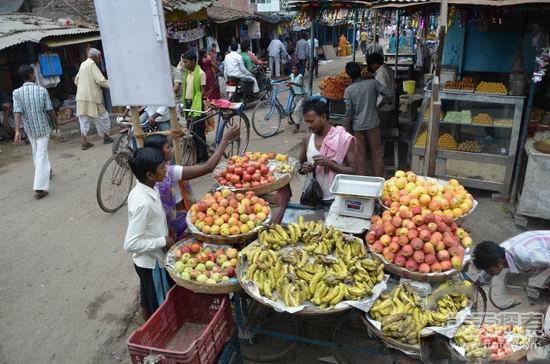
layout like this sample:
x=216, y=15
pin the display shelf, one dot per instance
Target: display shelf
x=477, y=170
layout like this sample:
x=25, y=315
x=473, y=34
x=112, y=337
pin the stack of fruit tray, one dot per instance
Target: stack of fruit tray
x=260, y=173
x=203, y=268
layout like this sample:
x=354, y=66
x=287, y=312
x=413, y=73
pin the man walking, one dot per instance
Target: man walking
x=89, y=99
x=277, y=52
x=32, y=104
x=313, y=63
x=301, y=53
x=362, y=118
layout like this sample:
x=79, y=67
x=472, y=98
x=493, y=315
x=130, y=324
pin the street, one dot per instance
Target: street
x=69, y=291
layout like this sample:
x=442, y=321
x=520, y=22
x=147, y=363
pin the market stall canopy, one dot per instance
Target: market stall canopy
x=297, y=4
x=381, y=4
x=187, y=6
x=20, y=28
x=220, y=14
x=275, y=18
x=64, y=41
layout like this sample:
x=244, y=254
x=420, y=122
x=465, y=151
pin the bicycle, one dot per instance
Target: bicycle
x=115, y=179
x=267, y=115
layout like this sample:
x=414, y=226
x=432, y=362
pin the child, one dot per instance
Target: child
x=297, y=84
x=147, y=234
x=171, y=192
x=527, y=253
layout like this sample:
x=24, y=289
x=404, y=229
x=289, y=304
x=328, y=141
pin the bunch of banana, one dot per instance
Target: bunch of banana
x=467, y=336
x=292, y=290
x=448, y=306
x=401, y=327
x=348, y=248
x=327, y=291
x=276, y=236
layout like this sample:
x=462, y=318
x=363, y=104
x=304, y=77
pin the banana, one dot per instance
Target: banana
x=282, y=232
x=341, y=288
x=333, y=292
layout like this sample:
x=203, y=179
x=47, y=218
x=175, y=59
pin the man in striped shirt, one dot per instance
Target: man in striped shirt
x=527, y=253
x=32, y=105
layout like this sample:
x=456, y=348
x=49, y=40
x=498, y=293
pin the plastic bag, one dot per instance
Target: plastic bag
x=313, y=193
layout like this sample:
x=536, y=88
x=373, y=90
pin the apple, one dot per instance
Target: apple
x=192, y=262
x=417, y=244
x=400, y=260
x=233, y=262
x=466, y=241
x=195, y=248
x=407, y=251
x=430, y=259
x=436, y=267
x=425, y=235
x=216, y=269
x=217, y=277
x=394, y=247
x=418, y=256
x=411, y=265
x=230, y=271
x=194, y=274
x=200, y=267
x=439, y=246
x=185, y=257
x=179, y=266
x=428, y=248
x=225, y=278
x=377, y=247
x=456, y=262
x=424, y=268
x=209, y=265
x=412, y=233
x=445, y=265
x=185, y=276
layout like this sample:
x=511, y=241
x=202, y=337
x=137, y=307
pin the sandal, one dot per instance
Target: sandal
x=40, y=194
x=86, y=145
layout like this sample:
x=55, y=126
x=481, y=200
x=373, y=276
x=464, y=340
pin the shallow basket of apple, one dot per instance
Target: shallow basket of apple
x=419, y=245
x=440, y=197
x=496, y=343
x=227, y=217
x=261, y=173
x=203, y=268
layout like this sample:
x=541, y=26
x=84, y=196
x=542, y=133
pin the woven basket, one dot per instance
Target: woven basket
x=413, y=350
x=415, y=276
x=281, y=179
x=224, y=240
x=220, y=288
x=307, y=311
x=443, y=183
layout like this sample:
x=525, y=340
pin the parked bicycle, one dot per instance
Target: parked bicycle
x=115, y=180
x=267, y=115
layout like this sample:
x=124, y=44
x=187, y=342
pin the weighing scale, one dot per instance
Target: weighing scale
x=355, y=198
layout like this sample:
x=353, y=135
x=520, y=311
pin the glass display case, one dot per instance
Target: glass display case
x=478, y=137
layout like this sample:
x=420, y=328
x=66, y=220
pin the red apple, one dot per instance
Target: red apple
x=411, y=265
x=400, y=260
x=377, y=247
x=428, y=248
x=446, y=265
x=425, y=235
x=394, y=247
x=424, y=268
x=407, y=251
x=417, y=244
x=418, y=256
x=430, y=259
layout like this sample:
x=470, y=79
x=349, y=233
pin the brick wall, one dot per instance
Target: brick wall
x=58, y=8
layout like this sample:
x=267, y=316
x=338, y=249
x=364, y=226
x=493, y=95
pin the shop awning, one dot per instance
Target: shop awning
x=381, y=4
x=187, y=6
x=63, y=41
x=220, y=14
x=20, y=28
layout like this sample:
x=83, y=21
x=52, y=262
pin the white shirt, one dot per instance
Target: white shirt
x=234, y=66
x=178, y=171
x=316, y=45
x=276, y=48
x=302, y=49
x=147, y=227
x=162, y=110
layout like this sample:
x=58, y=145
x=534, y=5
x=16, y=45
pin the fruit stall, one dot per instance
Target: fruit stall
x=402, y=281
x=332, y=88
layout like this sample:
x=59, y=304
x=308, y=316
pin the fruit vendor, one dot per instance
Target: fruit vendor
x=329, y=149
x=147, y=234
x=171, y=190
x=527, y=253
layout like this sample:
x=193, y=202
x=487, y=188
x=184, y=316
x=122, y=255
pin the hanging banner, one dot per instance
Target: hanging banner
x=184, y=36
x=254, y=31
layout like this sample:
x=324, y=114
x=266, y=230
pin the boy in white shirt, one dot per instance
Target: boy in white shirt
x=147, y=235
x=297, y=84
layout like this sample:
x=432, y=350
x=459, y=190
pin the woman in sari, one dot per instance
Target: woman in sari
x=342, y=43
x=174, y=193
x=210, y=69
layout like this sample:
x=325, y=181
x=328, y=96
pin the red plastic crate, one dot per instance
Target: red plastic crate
x=187, y=328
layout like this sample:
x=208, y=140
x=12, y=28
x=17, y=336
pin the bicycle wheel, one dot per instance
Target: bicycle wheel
x=114, y=183
x=266, y=118
x=122, y=143
x=188, y=151
x=237, y=145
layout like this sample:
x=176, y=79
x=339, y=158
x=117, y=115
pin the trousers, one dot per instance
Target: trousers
x=275, y=66
x=41, y=162
x=102, y=124
x=373, y=139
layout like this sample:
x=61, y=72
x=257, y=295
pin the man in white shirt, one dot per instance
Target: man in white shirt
x=277, y=52
x=147, y=234
x=234, y=67
x=383, y=74
x=156, y=115
x=313, y=64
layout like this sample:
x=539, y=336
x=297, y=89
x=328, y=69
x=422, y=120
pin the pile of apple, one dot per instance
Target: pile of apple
x=205, y=265
x=420, y=242
x=248, y=171
x=226, y=213
x=494, y=339
x=408, y=189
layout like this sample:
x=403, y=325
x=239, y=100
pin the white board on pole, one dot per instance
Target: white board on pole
x=133, y=35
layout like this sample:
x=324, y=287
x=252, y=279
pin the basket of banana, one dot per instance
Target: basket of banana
x=401, y=317
x=309, y=269
x=493, y=342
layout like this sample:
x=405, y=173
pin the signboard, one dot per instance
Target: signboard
x=254, y=31
x=135, y=47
